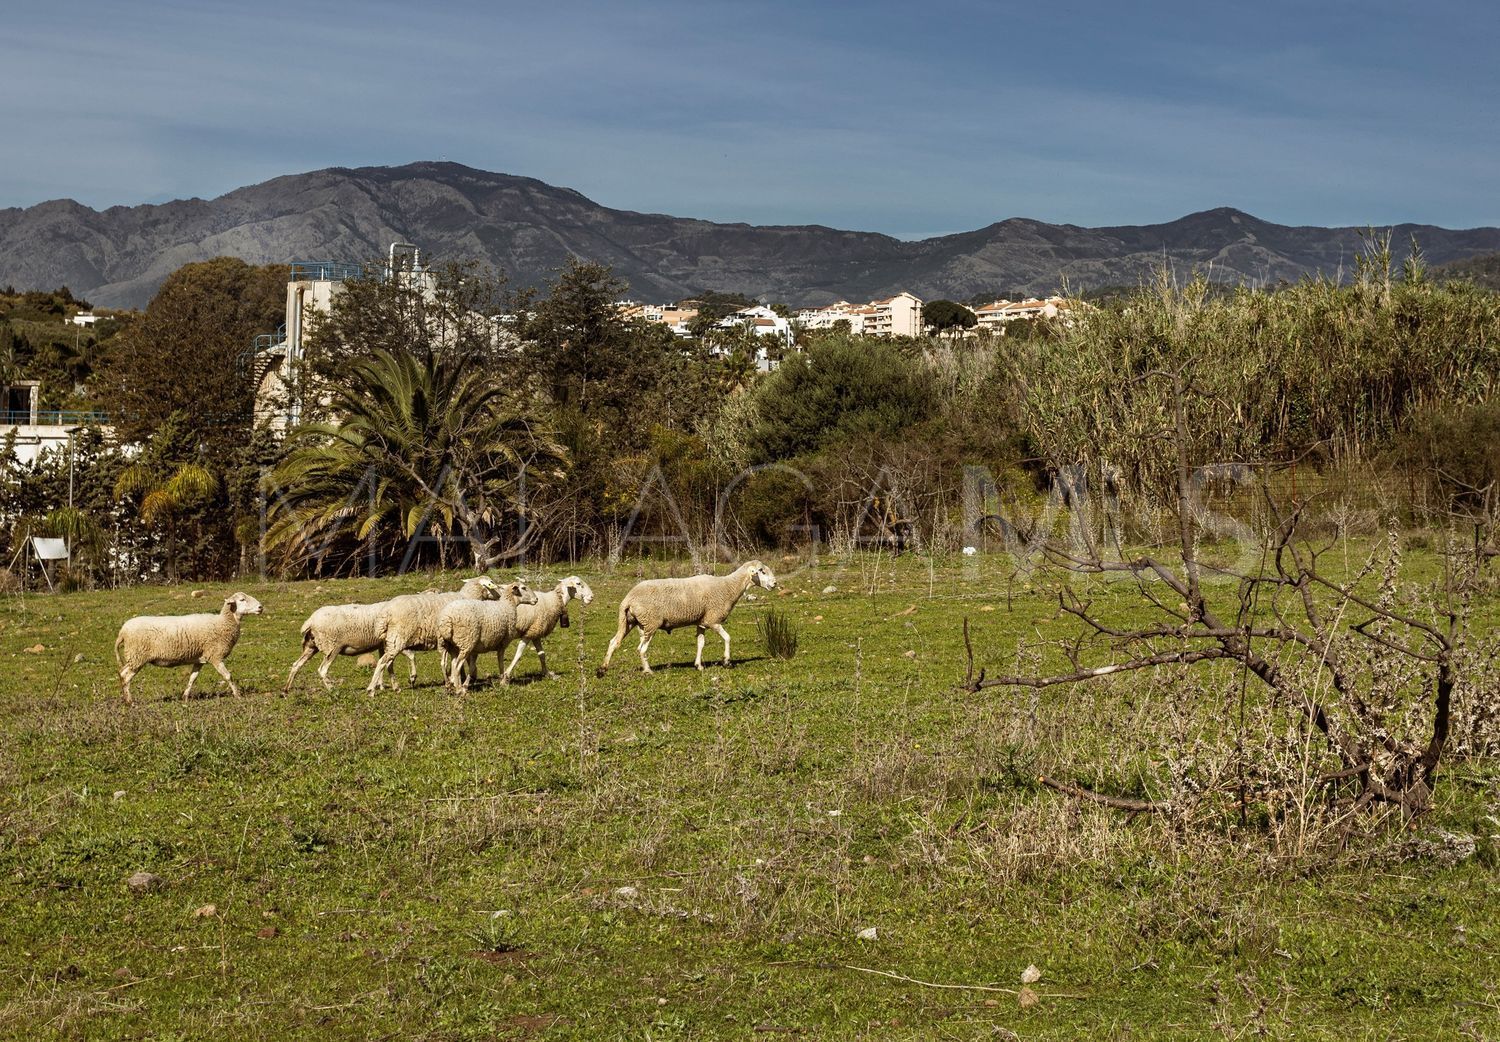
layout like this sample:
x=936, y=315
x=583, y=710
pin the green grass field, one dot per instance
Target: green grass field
x=680, y=856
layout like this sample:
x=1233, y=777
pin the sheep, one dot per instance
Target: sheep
x=468, y=629
x=345, y=629
x=534, y=622
x=703, y=601
x=182, y=640
x=413, y=621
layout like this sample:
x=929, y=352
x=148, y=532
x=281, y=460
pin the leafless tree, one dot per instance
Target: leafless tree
x=1372, y=677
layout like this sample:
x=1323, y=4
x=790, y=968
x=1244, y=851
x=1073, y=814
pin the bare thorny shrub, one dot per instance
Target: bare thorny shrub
x=1348, y=685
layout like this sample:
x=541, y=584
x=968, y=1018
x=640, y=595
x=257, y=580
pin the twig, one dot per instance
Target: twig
x=1117, y=802
x=127, y=984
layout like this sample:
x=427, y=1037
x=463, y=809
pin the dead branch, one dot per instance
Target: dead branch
x=1117, y=802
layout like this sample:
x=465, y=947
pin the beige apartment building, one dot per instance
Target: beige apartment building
x=675, y=315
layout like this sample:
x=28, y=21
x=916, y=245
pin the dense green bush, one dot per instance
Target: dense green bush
x=837, y=388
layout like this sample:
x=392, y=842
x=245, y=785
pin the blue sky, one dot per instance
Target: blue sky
x=906, y=118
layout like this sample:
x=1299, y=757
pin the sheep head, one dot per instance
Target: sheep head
x=489, y=589
x=760, y=575
x=518, y=592
x=242, y=604
x=573, y=587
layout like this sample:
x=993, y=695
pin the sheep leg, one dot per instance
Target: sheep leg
x=224, y=672
x=307, y=653
x=645, y=645
x=520, y=650
x=698, y=659
x=541, y=653
x=411, y=659
x=328, y=657
x=386, y=658
x=192, y=676
x=125, y=675
x=721, y=631
x=609, y=653
x=456, y=678
x=500, y=657
x=625, y=625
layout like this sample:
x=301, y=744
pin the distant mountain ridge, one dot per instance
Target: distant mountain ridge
x=527, y=228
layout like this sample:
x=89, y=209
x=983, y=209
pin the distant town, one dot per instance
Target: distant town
x=894, y=316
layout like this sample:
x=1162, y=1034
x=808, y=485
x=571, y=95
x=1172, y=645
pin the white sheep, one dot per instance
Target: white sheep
x=413, y=619
x=468, y=629
x=536, y=621
x=182, y=640
x=345, y=629
x=703, y=601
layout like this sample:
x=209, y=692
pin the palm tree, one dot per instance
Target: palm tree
x=419, y=446
x=163, y=493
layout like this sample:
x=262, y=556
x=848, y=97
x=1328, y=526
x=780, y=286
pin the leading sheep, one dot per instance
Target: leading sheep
x=703, y=601
x=182, y=640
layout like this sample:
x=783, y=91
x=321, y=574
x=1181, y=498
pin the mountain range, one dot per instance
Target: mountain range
x=118, y=257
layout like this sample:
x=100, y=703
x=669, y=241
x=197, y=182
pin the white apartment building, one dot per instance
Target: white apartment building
x=763, y=323
x=900, y=315
x=31, y=430
x=995, y=315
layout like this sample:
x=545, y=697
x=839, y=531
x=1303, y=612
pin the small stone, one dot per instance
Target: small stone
x=118, y=794
x=817, y=618
x=143, y=881
x=661, y=1002
x=830, y=589
x=206, y=912
x=36, y=649
x=910, y=654
x=123, y=973
x=265, y=933
x=198, y=593
x=77, y=658
x=869, y=933
x=988, y=607
x=1030, y=975
x=630, y=893
x=1027, y=998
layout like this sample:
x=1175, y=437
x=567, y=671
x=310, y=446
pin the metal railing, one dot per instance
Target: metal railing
x=266, y=341
x=325, y=271
x=52, y=418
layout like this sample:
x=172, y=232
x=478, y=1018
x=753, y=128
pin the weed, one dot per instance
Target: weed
x=779, y=633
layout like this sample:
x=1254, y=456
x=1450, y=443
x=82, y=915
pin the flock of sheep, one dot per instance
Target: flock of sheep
x=482, y=616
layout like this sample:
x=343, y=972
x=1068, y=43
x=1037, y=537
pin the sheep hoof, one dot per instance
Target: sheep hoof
x=600, y=671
